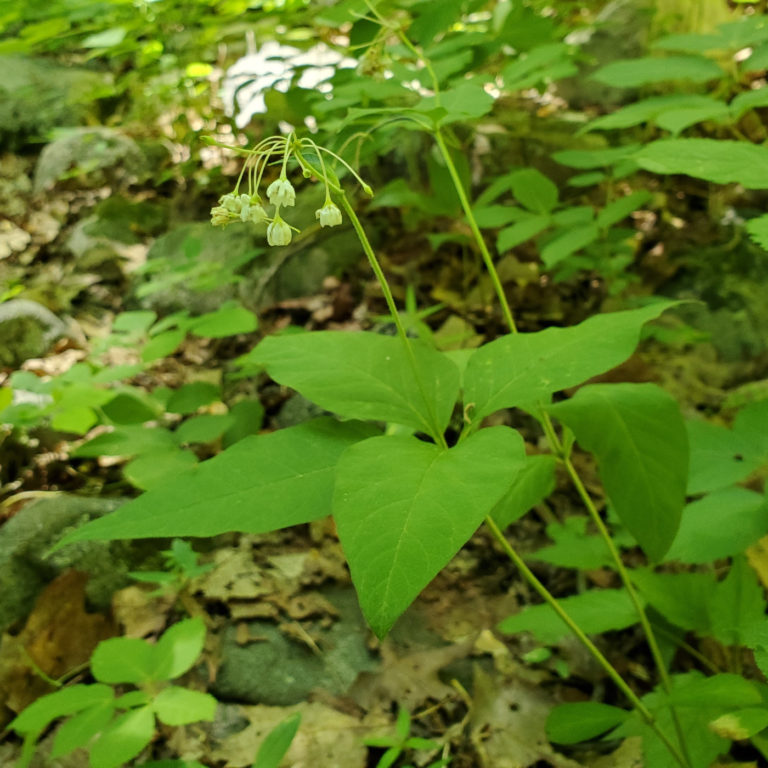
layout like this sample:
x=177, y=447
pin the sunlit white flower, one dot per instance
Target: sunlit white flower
x=281, y=192
x=220, y=216
x=278, y=232
x=329, y=215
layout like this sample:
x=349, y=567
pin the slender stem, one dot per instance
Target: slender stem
x=609, y=669
x=489, y=265
x=437, y=433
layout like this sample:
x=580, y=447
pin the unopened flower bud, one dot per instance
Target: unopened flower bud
x=278, y=232
x=230, y=203
x=256, y=213
x=329, y=215
x=281, y=192
x=220, y=216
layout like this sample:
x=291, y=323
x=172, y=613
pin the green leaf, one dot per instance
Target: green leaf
x=632, y=73
x=66, y=701
x=534, y=190
x=596, y=611
x=278, y=741
x=573, y=548
x=638, y=435
x=81, y=728
x=78, y=419
x=582, y=721
x=203, y=428
x=106, y=39
x=737, y=607
x=534, y=481
x=423, y=503
x=228, y=320
x=156, y=468
x=467, y=101
x=190, y=397
x=677, y=120
x=123, y=660
x=518, y=233
x=717, y=160
x=365, y=376
x=260, y=484
x=587, y=159
x=179, y=706
x=127, y=441
x=123, y=739
x=742, y=724
x=564, y=243
x=727, y=690
x=648, y=110
x=619, y=209
x=178, y=649
x=249, y=418
x=522, y=368
x=744, y=102
x=162, y=345
x=758, y=230
x=721, y=524
x=129, y=408
x=681, y=598
x=134, y=322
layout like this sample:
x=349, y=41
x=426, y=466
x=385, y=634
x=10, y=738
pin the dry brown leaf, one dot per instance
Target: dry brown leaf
x=138, y=613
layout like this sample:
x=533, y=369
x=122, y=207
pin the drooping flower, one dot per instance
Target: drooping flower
x=230, y=202
x=281, y=192
x=255, y=213
x=220, y=216
x=329, y=215
x=278, y=232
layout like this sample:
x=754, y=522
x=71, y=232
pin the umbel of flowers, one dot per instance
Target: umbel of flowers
x=242, y=206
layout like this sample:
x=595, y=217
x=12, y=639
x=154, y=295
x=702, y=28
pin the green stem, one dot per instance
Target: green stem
x=437, y=433
x=489, y=265
x=596, y=653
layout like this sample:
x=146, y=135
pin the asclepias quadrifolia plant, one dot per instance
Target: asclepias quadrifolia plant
x=406, y=500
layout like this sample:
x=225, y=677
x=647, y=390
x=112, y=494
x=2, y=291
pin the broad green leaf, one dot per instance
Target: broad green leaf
x=747, y=101
x=587, y=159
x=278, y=741
x=619, y=209
x=587, y=179
x=467, y=101
x=574, y=216
x=66, y=701
x=742, y=724
x=632, y=73
x=179, y=706
x=123, y=739
x=533, y=483
x=178, y=649
x=728, y=690
x=123, y=660
x=523, y=368
x=260, y=484
x=78, y=419
x=721, y=524
x=156, y=468
x=365, y=376
x=190, y=397
x=403, y=508
x=638, y=435
x=518, y=233
x=690, y=42
x=677, y=120
x=758, y=60
x=249, y=418
x=132, y=699
x=229, y=319
x=596, y=611
x=717, y=160
x=203, y=428
x=534, y=66
x=572, y=547
x=127, y=441
x=134, y=322
x=758, y=229
x=492, y=216
x=534, y=190
x=162, y=345
x=130, y=408
x=680, y=597
x=737, y=607
x=648, y=110
x=582, y=721
x=81, y=728
x=566, y=242
x=106, y=39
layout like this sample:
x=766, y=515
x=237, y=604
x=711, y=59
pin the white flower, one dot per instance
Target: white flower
x=278, y=232
x=220, y=216
x=231, y=203
x=281, y=192
x=256, y=213
x=329, y=215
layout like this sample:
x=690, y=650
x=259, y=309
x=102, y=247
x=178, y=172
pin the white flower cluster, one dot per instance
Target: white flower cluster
x=235, y=206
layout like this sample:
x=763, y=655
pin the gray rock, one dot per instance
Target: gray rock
x=27, y=329
x=280, y=671
x=28, y=536
x=102, y=155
